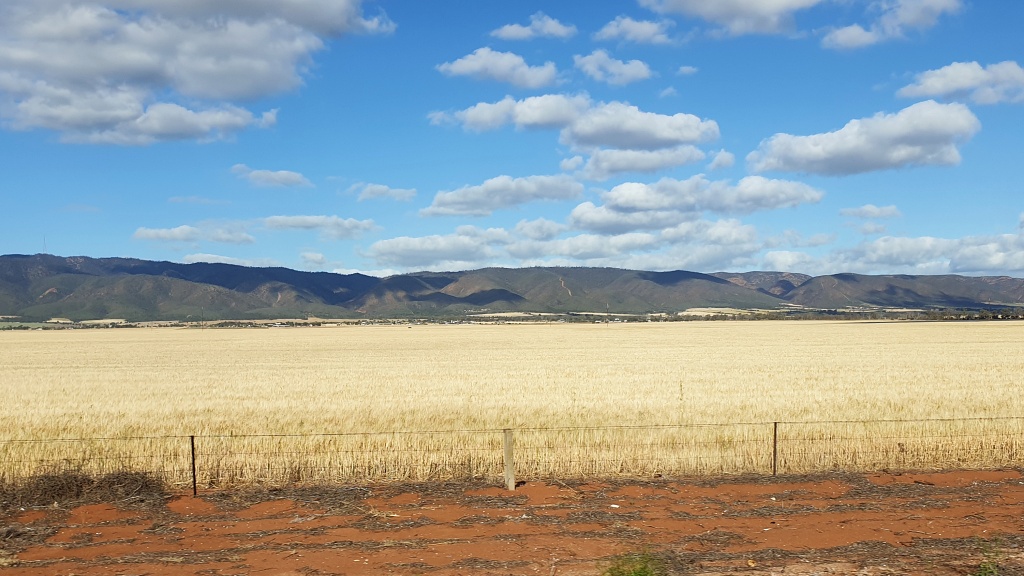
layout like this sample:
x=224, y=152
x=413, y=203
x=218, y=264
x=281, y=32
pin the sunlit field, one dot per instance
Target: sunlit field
x=425, y=402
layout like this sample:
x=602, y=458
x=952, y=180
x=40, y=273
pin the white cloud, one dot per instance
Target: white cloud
x=375, y=191
x=722, y=159
x=849, y=37
x=179, y=234
x=872, y=228
x=587, y=249
x=603, y=68
x=669, y=202
x=447, y=252
x=270, y=178
x=229, y=236
x=991, y=255
x=330, y=226
x=794, y=238
x=136, y=72
x=872, y=211
x=897, y=17
x=314, y=260
x=639, y=31
x=669, y=91
x=604, y=163
x=546, y=111
x=584, y=124
x=502, y=192
x=541, y=26
x=620, y=125
x=503, y=67
x=226, y=234
x=788, y=261
x=539, y=229
x=687, y=70
x=608, y=220
x=926, y=133
x=992, y=84
x=570, y=164
x=217, y=259
x=697, y=194
x=737, y=16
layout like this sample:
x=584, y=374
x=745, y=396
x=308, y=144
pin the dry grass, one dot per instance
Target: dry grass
x=373, y=385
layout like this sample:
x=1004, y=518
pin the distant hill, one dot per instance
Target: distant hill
x=774, y=283
x=43, y=286
x=944, y=291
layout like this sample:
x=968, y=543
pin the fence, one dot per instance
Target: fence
x=217, y=461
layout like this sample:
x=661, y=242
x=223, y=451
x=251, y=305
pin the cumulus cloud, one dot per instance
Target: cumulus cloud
x=330, y=226
x=667, y=202
x=872, y=211
x=872, y=228
x=270, y=178
x=722, y=159
x=588, y=249
x=136, y=72
x=737, y=16
x=539, y=229
x=180, y=234
x=585, y=124
x=226, y=234
x=570, y=164
x=639, y=31
x=313, y=260
x=508, y=67
x=997, y=254
x=687, y=70
x=229, y=236
x=992, y=84
x=926, y=133
x=376, y=191
x=535, y=112
x=449, y=252
x=502, y=192
x=604, y=163
x=541, y=26
x=620, y=125
x=898, y=16
x=603, y=68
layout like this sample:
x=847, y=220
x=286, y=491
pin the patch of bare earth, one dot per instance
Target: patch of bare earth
x=878, y=524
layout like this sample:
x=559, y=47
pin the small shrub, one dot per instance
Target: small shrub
x=636, y=564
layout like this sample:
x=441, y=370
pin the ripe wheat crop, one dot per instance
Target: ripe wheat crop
x=429, y=402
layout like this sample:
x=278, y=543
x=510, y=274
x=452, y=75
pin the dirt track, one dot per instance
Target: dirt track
x=934, y=524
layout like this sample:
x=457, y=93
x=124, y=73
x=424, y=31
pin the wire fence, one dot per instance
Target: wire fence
x=200, y=462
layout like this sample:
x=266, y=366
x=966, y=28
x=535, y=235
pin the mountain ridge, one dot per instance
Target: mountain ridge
x=43, y=286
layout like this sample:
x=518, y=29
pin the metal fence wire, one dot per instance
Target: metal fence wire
x=220, y=461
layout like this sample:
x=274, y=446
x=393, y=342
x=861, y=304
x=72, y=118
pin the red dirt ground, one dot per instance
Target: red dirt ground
x=930, y=523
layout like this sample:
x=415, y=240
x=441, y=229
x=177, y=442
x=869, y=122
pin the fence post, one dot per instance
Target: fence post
x=775, y=448
x=192, y=441
x=510, y=468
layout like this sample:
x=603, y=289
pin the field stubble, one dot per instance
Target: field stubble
x=429, y=402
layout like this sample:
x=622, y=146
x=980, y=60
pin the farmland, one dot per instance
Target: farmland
x=446, y=384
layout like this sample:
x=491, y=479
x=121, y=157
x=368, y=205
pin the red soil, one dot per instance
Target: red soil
x=935, y=524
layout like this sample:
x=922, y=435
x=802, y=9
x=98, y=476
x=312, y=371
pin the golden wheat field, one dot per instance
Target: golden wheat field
x=430, y=401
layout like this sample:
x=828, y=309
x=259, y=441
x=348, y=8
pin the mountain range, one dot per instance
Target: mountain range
x=42, y=286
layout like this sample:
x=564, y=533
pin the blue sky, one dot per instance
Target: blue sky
x=813, y=136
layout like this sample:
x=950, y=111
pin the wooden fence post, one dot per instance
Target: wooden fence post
x=192, y=441
x=510, y=468
x=775, y=448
